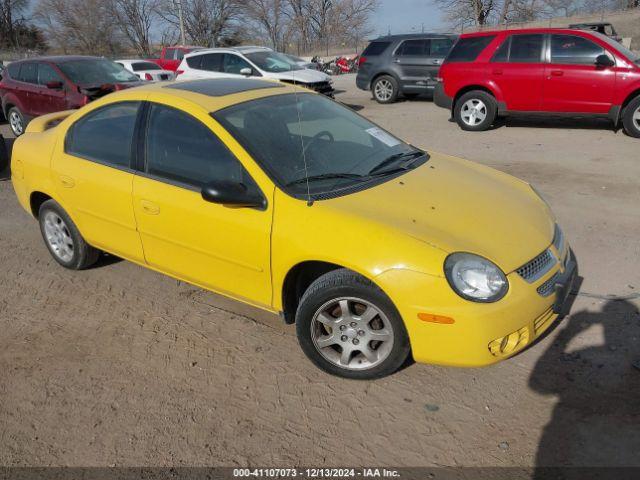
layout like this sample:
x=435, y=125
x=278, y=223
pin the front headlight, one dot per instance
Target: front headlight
x=475, y=278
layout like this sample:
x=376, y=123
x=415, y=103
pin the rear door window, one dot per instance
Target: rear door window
x=29, y=73
x=14, y=70
x=413, y=48
x=526, y=48
x=47, y=74
x=87, y=139
x=439, y=47
x=211, y=62
x=467, y=49
x=375, y=48
x=574, y=50
x=169, y=54
x=502, y=54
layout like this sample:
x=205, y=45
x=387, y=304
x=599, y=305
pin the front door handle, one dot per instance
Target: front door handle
x=67, y=182
x=150, y=208
x=497, y=71
x=557, y=73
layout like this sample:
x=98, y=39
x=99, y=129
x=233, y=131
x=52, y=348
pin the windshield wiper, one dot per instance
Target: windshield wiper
x=405, y=159
x=326, y=176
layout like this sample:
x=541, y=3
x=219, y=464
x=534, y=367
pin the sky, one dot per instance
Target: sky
x=406, y=16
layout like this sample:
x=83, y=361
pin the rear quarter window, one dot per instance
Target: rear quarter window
x=467, y=49
x=375, y=48
x=14, y=70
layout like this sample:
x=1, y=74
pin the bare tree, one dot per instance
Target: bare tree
x=269, y=16
x=205, y=21
x=135, y=19
x=79, y=26
x=9, y=12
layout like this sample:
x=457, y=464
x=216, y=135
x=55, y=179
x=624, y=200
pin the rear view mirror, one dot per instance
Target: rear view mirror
x=604, y=61
x=247, y=72
x=55, y=85
x=232, y=194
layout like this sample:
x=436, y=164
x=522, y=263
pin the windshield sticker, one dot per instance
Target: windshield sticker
x=386, y=138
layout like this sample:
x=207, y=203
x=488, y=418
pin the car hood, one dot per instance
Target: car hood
x=303, y=76
x=457, y=205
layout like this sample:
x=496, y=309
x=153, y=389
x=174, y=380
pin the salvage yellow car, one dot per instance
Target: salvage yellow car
x=289, y=201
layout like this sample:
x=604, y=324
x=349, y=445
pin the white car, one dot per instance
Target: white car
x=147, y=70
x=251, y=62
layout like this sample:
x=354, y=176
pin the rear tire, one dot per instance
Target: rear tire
x=16, y=121
x=631, y=118
x=475, y=111
x=385, y=89
x=62, y=238
x=4, y=155
x=350, y=328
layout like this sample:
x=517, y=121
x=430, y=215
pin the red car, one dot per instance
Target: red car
x=171, y=57
x=540, y=71
x=37, y=86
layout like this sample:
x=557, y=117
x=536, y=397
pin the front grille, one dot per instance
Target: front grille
x=548, y=287
x=321, y=87
x=537, y=267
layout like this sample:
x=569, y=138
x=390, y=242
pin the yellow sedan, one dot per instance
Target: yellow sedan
x=286, y=200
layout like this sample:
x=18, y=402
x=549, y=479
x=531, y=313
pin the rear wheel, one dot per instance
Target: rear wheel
x=385, y=89
x=631, y=118
x=62, y=238
x=16, y=121
x=4, y=155
x=348, y=327
x=475, y=111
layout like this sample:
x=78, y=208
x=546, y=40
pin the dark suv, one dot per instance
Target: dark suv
x=37, y=86
x=402, y=65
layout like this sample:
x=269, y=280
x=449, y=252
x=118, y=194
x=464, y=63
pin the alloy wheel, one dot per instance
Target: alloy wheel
x=383, y=90
x=473, y=112
x=352, y=333
x=636, y=118
x=15, y=121
x=58, y=236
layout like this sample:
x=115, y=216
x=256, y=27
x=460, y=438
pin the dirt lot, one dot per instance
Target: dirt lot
x=119, y=365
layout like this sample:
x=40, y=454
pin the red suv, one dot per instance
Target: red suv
x=33, y=87
x=540, y=71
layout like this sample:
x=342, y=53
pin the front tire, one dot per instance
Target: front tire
x=631, y=118
x=475, y=111
x=62, y=238
x=348, y=327
x=385, y=89
x=16, y=121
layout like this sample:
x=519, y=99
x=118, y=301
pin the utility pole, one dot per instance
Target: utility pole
x=422, y=27
x=181, y=19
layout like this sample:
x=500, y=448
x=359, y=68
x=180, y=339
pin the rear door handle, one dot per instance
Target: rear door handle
x=67, y=182
x=557, y=73
x=149, y=208
x=497, y=71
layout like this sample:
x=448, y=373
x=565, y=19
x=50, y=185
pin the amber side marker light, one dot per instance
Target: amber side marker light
x=429, y=317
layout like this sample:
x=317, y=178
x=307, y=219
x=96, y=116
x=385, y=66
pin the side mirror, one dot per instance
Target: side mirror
x=55, y=85
x=247, y=72
x=232, y=194
x=604, y=61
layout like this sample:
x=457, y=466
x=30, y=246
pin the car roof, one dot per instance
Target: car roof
x=524, y=31
x=60, y=58
x=243, y=49
x=210, y=94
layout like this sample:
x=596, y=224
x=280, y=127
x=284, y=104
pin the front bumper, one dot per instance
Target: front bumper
x=440, y=98
x=482, y=333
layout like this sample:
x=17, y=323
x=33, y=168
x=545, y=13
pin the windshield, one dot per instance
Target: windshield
x=295, y=136
x=272, y=61
x=619, y=47
x=98, y=71
x=142, y=66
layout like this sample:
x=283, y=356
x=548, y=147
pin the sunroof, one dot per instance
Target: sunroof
x=218, y=87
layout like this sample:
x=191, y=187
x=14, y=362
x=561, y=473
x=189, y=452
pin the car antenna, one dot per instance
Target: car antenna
x=304, y=155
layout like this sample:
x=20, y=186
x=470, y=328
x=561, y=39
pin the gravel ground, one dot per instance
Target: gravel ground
x=119, y=365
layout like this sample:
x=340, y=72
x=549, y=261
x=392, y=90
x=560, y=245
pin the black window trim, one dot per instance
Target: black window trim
x=134, y=140
x=141, y=166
